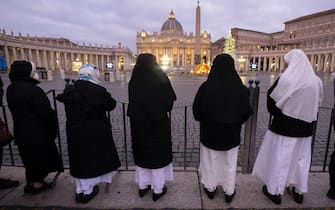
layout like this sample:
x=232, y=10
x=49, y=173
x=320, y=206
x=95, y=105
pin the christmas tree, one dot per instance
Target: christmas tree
x=229, y=47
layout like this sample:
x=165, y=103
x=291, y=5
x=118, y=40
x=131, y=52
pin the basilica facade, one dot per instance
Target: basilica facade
x=174, y=47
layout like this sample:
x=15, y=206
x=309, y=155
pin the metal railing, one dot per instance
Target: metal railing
x=185, y=135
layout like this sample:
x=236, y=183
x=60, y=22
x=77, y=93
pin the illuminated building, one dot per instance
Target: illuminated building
x=173, y=47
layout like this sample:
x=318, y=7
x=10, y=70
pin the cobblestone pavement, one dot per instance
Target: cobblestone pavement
x=185, y=88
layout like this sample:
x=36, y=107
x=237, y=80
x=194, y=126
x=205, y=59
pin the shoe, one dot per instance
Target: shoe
x=209, y=194
x=27, y=189
x=34, y=191
x=274, y=198
x=331, y=194
x=79, y=197
x=142, y=192
x=155, y=196
x=229, y=198
x=7, y=183
x=298, y=198
x=87, y=198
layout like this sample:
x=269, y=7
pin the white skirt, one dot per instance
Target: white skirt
x=154, y=177
x=283, y=161
x=86, y=185
x=218, y=168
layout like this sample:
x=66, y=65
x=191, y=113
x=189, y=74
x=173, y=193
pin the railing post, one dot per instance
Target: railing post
x=250, y=130
x=10, y=145
x=185, y=136
x=247, y=133
x=58, y=131
x=328, y=140
x=125, y=134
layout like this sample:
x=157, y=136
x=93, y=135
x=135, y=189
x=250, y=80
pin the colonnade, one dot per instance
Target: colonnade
x=320, y=61
x=59, y=55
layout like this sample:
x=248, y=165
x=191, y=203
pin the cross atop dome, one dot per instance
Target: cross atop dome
x=171, y=14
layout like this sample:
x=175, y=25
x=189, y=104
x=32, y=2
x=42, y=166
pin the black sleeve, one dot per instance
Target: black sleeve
x=197, y=105
x=270, y=103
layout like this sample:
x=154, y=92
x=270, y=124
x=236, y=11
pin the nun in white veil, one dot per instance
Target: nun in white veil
x=285, y=154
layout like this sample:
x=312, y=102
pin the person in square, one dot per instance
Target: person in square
x=221, y=105
x=151, y=97
x=284, y=158
x=35, y=127
x=5, y=183
x=93, y=156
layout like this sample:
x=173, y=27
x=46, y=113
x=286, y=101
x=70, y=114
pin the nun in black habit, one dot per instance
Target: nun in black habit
x=151, y=97
x=35, y=127
x=92, y=154
x=221, y=106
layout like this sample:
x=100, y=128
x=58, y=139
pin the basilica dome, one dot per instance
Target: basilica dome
x=172, y=26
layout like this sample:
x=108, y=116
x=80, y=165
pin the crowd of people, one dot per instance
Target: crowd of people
x=221, y=105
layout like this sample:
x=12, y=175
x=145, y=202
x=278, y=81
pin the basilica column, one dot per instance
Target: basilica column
x=259, y=64
x=332, y=63
x=71, y=61
x=265, y=64
x=270, y=63
x=325, y=63
x=22, y=54
x=281, y=64
x=7, y=57
x=102, y=62
x=52, y=60
x=312, y=61
x=14, y=53
x=38, y=57
x=65, y=62
x=30, y=56
x=319, y=63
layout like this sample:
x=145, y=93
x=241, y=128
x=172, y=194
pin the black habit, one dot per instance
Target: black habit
x=221, y=105
x=35, y=123
x=151, y=97
x=91, y=147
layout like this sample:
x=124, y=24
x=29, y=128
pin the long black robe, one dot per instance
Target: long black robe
x=221, y=105
x=91, y=148
x=35, y=123
x=151, y=97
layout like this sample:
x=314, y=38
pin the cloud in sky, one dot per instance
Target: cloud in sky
x=109, y=22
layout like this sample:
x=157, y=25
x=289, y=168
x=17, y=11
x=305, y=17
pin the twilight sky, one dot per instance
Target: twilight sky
x=108, y=22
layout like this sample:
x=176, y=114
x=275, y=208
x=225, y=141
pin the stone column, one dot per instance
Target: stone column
x=7, y=57
x=38, y=57
x=247, y=66
x=319, y=63
x=332, y=63
x=30, y=56
x=71, y=62
x=265, y=64
x=102, y=63
x=325, y=63
x=66, y=65
x=312, y=61
x=52, y=60
x=281, y=63
x=45, y=60
x=14, y=54
x=22, y=54
x=259, y=63
x=270, y=63
x=97, y=60
x=116, y=64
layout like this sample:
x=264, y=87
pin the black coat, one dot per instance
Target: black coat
x=91, y=147
x=151, y=97
x=35, y=122
x=221, y=106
